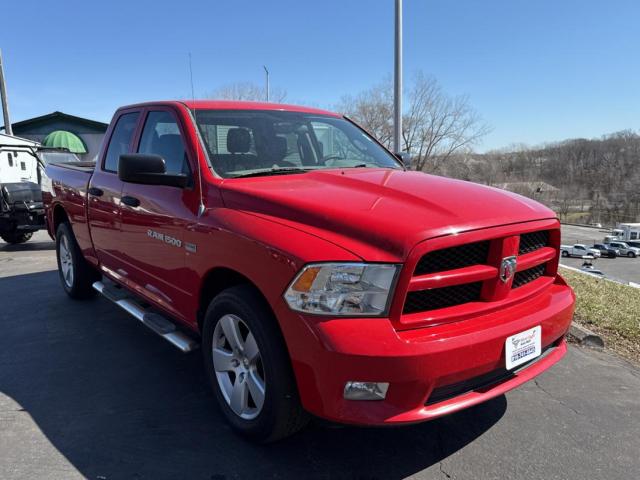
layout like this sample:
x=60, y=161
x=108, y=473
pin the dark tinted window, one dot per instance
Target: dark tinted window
x=161, y=136
x=120, y=140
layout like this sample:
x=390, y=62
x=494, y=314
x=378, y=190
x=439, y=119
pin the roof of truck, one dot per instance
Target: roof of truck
x=239, y=105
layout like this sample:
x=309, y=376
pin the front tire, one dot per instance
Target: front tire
x=631, y=255
x=248, y=367
x=16, y=237
x=76, y=275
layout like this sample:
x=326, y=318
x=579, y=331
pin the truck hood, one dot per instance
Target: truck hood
x=378, y=214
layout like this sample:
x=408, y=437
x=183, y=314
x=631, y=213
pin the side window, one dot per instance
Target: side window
x=161, y=136
x=120, y=140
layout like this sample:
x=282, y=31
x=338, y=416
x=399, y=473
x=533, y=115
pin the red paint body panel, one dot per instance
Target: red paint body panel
x=268, y=228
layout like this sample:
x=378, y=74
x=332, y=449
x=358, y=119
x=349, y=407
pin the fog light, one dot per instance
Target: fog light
x=365, y=390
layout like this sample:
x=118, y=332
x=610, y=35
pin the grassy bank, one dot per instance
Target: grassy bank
x=610, y=309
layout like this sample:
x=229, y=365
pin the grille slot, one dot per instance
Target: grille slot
x=452, y=258
x=423, y=300
x=530, y=242
x=527, y=276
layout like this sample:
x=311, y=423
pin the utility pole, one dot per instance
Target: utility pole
x=397, y=84
x=267, y=78
x=5, y=104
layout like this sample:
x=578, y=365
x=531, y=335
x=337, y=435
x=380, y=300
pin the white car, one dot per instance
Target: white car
x=579, y=250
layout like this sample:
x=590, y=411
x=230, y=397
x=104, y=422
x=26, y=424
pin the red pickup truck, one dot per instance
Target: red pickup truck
x=317, y=274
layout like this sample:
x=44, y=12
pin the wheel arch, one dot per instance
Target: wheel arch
x=218, y=279
x=59, y=216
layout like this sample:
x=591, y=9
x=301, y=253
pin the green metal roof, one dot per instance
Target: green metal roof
x=64, y=139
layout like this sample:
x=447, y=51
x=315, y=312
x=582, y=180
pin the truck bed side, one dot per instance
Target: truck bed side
x=66, y=194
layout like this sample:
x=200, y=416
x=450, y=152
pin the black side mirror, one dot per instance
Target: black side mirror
x=148, y=170
x=405, y=158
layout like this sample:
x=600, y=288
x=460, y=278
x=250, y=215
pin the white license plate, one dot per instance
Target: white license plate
x=523, y=346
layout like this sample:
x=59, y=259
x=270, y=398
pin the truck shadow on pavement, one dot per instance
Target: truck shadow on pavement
x=30, y=246
x=118, y=402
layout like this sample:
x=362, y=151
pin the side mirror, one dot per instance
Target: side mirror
x=148, y=170
x=405, y=158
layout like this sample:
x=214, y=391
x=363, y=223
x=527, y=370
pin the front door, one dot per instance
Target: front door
x=155, y=218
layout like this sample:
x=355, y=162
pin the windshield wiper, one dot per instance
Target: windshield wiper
x=274, y=171
x=364, y=165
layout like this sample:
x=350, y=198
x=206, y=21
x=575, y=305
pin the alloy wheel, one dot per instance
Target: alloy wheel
x=66, y=261
x=238, y=366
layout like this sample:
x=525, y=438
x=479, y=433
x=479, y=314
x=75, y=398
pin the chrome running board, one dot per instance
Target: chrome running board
x=154, y=321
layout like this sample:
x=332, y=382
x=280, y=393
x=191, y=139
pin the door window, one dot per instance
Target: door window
x=120, y=140
x=161, y=136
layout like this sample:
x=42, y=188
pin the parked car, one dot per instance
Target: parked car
x=315, y=272
x=625, y=250
x=578, y=250
x=633, y=243
x=605, y=250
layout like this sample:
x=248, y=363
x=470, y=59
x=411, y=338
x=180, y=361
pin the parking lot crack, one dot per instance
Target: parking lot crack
x=442, y=470
x=547, y=392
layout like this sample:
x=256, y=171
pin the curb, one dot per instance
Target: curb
x=602, y=229
x=586, y=337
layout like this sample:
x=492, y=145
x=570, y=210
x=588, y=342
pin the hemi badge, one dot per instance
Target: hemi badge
x=191, y=247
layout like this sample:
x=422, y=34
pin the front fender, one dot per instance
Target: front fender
x=269, y=254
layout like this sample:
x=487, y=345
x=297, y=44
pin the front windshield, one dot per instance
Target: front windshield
x=249, y=142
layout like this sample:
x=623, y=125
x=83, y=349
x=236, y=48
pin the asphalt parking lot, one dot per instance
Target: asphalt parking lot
x=86, y=392
x=621, y=269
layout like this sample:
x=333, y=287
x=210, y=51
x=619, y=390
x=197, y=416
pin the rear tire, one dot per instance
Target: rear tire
x=565, y=253
x=255, y=359
x=76, y=275
x=16, y=237
x=631, y=255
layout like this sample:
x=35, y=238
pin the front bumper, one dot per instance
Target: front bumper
x=327, y=353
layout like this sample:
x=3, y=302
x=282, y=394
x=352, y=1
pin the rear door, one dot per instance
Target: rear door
x=105, y=190
x=155, y=217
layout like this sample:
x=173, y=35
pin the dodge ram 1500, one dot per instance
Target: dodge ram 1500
x=317, y=274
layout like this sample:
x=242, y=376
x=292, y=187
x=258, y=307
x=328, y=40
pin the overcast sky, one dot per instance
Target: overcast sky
x=537, y=71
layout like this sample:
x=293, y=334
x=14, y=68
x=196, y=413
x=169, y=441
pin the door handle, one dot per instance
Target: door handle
x=96, y=192
x=131, y=201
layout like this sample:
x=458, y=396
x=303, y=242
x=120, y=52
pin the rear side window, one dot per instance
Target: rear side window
x=161, y=136
x=120, y=140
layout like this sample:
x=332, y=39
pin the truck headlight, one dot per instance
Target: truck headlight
x=349, y=289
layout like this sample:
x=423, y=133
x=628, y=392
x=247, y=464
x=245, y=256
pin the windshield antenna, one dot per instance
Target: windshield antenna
x=201, y=207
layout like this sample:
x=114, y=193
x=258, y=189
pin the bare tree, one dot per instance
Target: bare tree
x=248, y=91
x=435, y=125
x=373, y=110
